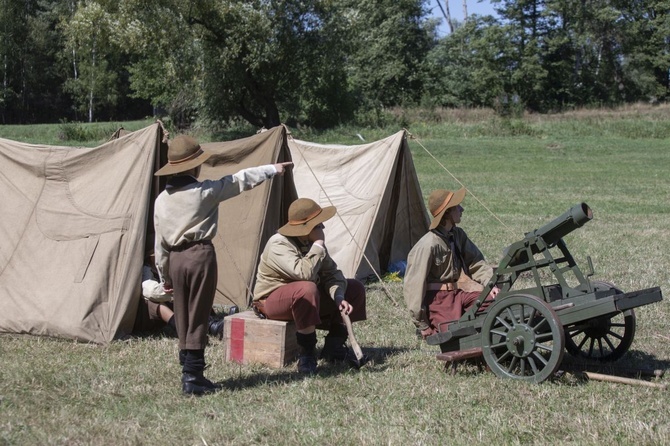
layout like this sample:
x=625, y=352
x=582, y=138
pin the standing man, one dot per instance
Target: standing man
x=435, y=265
x=298, y=280
x=186, y=215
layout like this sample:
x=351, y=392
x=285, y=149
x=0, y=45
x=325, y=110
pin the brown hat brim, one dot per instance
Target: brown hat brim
x=303, y=229
x=173, y=168
x=455, y=200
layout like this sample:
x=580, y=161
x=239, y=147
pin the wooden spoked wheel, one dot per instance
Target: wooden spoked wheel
x=522, y=338
x=604, y=338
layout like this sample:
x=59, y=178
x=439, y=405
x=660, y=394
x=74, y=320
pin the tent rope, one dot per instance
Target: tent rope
x=386, y=291
x=459, y=182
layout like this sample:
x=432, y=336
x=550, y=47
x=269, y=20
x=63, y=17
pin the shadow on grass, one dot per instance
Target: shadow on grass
x=634, y=364
x=377, y=362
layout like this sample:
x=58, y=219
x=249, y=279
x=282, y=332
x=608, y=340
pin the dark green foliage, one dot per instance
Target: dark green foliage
x=76, y=131
x=322, y=63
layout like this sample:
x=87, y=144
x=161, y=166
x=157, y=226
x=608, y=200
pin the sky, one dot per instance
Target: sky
x=481, y=7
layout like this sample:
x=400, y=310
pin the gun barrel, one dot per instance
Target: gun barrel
x=573, y=218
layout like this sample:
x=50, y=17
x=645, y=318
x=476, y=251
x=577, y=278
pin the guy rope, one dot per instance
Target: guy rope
x=412, y=137
x=381, y=282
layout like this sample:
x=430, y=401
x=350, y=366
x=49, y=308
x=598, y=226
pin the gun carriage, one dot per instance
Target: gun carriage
x=524, y=332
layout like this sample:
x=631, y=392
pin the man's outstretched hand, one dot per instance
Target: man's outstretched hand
x=281, y=167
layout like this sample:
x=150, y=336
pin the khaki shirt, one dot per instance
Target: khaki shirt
x=188, y=210
x=285, y=260
x=433, y=259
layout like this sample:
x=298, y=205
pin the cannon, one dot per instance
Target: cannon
x=554, y=308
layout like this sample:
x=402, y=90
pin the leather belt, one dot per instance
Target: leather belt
x=441, y=286
x=186, y=245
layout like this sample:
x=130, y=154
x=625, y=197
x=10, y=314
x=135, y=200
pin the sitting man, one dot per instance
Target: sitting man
x=156, y=299
x=439, y=266
x=297, y=280
x=158, y=302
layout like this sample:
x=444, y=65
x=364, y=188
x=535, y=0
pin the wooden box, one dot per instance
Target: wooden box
x=250, y=339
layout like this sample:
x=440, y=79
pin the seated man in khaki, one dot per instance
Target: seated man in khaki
x=298, y=280
x=435, y=266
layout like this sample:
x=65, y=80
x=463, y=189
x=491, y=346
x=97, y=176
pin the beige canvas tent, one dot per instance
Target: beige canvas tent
x=76, y=221
x=72, y=235
x=380, y=210
x=248, y=220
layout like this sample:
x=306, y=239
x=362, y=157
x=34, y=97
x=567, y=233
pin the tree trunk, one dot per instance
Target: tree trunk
x=447, y=14
x=92, y=88
x=272, y=118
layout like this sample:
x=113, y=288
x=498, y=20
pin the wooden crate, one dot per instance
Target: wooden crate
x=249, y=339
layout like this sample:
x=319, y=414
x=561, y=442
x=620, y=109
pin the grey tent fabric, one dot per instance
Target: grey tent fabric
x=72, y=235
x=374, y=186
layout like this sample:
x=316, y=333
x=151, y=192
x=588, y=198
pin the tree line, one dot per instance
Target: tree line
x=322, y=63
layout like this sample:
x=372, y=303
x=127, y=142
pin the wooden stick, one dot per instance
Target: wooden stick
x=654, y=373
x=621, y=380
x=352, y=339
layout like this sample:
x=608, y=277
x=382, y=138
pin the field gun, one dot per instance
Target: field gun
x=546, y=305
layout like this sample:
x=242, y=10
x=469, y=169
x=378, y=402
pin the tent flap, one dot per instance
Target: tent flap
x=72, y=235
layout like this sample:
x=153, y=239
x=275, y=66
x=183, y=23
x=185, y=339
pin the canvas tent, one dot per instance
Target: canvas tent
x=248, y=220
x=76, y=221
x=72, y=235
x=380, y=210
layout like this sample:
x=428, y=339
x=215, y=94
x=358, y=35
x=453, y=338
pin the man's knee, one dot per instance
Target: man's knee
x=307, y=292
x=355, y=291
x=355, y=295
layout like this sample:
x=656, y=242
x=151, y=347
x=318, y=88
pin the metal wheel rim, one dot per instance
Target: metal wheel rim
x=522, y=338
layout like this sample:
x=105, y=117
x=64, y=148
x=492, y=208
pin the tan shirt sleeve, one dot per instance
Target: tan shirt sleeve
x=285, y=260
x=419, y=262
x=282, y=262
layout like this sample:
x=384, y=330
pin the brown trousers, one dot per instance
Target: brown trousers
x=448, y=306
x=193, y=271
x=301, y=302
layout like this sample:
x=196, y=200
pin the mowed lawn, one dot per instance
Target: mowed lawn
x=520, y=174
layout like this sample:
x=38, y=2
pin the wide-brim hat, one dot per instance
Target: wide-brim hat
x=440, y=201
x=184, y=153
x=303, y=215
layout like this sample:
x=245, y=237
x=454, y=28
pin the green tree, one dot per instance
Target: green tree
x=164, y=55
x=470, y=67
x=89, y=43
x=31, y=76
x=526, y=27
x=645, y=67
x=271, y=61
x=390, y=41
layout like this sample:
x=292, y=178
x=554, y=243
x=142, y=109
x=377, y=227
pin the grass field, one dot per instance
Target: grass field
x=520, y=175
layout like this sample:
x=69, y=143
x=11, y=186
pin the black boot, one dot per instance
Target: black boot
x=334, y=347
x=193, y=381
x=216, y=327
x=170, y=328
x=196, y=384
x=307, y=358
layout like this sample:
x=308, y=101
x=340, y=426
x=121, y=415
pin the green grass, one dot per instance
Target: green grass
x=63, y=392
